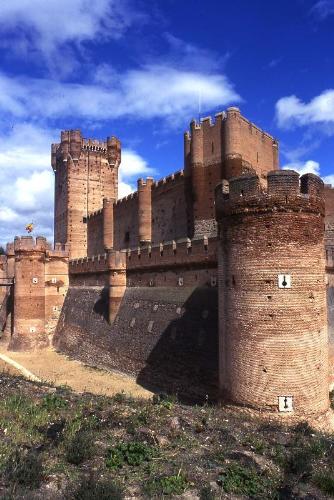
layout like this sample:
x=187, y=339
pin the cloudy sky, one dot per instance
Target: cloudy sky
x=141, y=70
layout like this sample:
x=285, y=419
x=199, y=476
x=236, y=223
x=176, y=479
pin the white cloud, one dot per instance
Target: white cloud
x=329, y=179
x=7, y=214
x=133, y=164
x=132, y=167
x=149, y=92
x=44, y=27
x=292, y=111
x=309, y=167
x=27, y=183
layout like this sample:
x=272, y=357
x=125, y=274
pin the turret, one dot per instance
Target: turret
x=108, y=223
x=117, y=281
x=145, y=210
x=29, y=294
x=114, y=151
x=273, y=352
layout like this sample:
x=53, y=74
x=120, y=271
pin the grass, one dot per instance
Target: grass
x=89, y=446
x=241, y=480
x=166, y=485
x=24, y=469
x=325, y=481
x=80, y=448
x=93, y=489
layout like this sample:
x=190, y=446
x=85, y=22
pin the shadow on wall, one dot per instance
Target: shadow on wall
x=165, y=337
x=184, y=360
x=101, y=306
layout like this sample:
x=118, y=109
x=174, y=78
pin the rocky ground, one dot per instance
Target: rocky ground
x=56, y=444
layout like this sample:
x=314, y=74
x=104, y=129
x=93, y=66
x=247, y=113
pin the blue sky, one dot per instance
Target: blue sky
x=138, y=69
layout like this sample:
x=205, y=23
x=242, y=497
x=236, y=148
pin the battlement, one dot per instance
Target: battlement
x=128, y=197
x=231, y=113
x=40, y=244
x=285, y=191
x=97, y=213
x=98, y=263
x=30, y=244
x=169, y=179
x=181, y=253
x=94, y=145
x=59, y=251
x=10, y=252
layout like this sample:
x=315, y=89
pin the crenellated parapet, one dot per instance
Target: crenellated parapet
x=30, y=244
x=185, y=253
x=285, y=191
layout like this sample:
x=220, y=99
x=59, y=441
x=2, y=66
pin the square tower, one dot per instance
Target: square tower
x=86, y=172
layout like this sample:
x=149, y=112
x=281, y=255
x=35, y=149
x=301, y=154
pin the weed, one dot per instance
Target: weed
x=119, y=397
x=80, y=448
x=325, y=481
x=165, y=400
x=207, y=493
x=24, y=469
x=91, y=489
x=140, y=418
x=241, y=480
x=133, y=454
x=22, y=418
x=167, y=485
x=255, y=443
x=54, y=402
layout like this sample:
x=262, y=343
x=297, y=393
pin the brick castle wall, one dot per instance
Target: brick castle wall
x=165, y=328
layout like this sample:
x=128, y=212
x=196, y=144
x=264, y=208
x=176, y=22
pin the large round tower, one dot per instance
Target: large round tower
x=272, y=293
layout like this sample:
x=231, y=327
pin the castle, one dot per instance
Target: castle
x=216, y=281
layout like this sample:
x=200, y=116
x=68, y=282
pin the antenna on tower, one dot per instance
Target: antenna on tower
x=199, y=105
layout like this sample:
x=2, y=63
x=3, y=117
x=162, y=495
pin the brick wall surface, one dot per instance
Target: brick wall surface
x=273, y=341
x=95, y=243
x=165, y=336
x=86, y=172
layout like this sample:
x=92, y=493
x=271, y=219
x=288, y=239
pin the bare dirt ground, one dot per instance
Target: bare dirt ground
x=55, y=368
x=6, y=368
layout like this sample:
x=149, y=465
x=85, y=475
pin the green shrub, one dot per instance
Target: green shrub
x=80, y=448
x=90, y=489
x=54, y=402
x=240, y=480
x=167, y=485
x=133, y=454
x=24, y=469
x=165, y=400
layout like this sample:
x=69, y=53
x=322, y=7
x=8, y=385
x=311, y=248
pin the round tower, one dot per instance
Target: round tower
x=114, y=160
x=273, y=352
x=145, y=210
